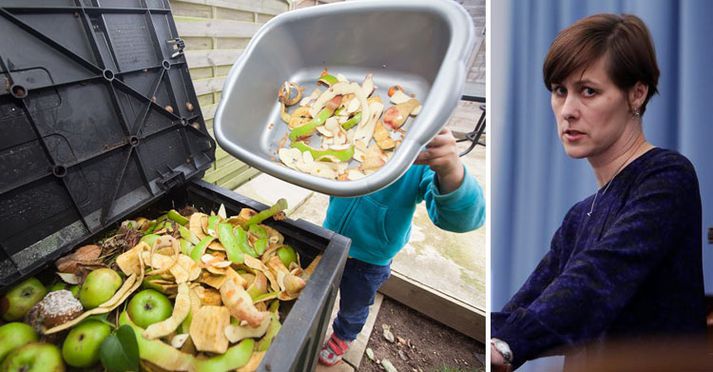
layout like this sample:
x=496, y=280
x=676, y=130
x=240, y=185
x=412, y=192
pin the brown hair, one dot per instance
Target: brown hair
x=625, y=41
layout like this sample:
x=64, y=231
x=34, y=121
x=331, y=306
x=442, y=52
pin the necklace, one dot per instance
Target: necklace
x=591, y=209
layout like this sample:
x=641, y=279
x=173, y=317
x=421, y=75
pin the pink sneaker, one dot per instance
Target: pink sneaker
x=333, y=351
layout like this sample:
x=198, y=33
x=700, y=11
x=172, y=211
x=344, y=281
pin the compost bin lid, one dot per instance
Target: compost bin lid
x=98, y=117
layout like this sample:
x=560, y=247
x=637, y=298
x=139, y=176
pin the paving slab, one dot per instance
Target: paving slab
x=356, y=350
x=268, y=190
x=341, y=367
x=464, y=118
x=449, y=262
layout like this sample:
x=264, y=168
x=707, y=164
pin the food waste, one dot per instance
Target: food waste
x=187, y=291
x=340, y=130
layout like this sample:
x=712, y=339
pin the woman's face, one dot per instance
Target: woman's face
x=592, y=113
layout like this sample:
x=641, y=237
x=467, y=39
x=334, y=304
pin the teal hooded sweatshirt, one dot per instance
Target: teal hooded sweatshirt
x=379, y=224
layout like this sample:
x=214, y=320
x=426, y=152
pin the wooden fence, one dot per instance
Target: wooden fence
x=216, y=32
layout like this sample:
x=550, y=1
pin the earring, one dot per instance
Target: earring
x=637, y=114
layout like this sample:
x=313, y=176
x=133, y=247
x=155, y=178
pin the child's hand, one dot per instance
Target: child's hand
x=441, y=155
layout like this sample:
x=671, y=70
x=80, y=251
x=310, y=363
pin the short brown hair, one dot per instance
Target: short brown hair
x=624, y=39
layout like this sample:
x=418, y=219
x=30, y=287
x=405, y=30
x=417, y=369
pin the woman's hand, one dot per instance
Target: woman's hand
x=497, y=362
x=441, y=155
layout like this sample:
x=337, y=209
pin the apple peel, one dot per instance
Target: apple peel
x=208, y=329
x=235, y=333
x=239, y=303
x=180, y=311
x=131, y=284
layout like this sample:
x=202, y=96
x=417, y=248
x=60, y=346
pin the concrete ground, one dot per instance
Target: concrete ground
x=451, y=263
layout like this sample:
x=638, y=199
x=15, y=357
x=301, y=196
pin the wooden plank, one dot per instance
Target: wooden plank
x=223, y=70
x=339, y=367
x=209, y=58
x=447, y=310
x=258, y=6
x=206, y=99
x=198, y=73
x=204, y=86
x=225, y=170
x=198, y=43
x=181, y=8
x=235, y=15
x=196, y=27
x=232, y=42
x=209, y=111
x=262, y=18
x=357, y=348
x=223, y=158
x=233, y=181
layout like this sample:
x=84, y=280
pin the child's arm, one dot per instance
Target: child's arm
x=441, y=156
x=454, y=199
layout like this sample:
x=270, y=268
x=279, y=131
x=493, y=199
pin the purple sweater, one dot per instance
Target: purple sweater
x=630, y=270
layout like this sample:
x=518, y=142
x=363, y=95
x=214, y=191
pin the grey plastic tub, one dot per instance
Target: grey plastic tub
x=422, y=45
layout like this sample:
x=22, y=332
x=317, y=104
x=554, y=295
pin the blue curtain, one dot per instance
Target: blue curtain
x=533, y=182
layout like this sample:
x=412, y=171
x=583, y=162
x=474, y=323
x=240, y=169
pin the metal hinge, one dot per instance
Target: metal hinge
x=178, y=45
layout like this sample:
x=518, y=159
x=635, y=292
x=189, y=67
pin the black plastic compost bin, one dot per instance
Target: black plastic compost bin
x=99, y=122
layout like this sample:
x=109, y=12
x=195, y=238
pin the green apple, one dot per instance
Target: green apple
x=34, y=357
x=81, y=347
x=58, y=286
x=75, y=290
x=14, y=335
x=287, y=255
x=148, y=307
x=15, y=304
x=99, y=286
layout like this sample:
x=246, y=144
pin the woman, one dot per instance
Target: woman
x=626, y=261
